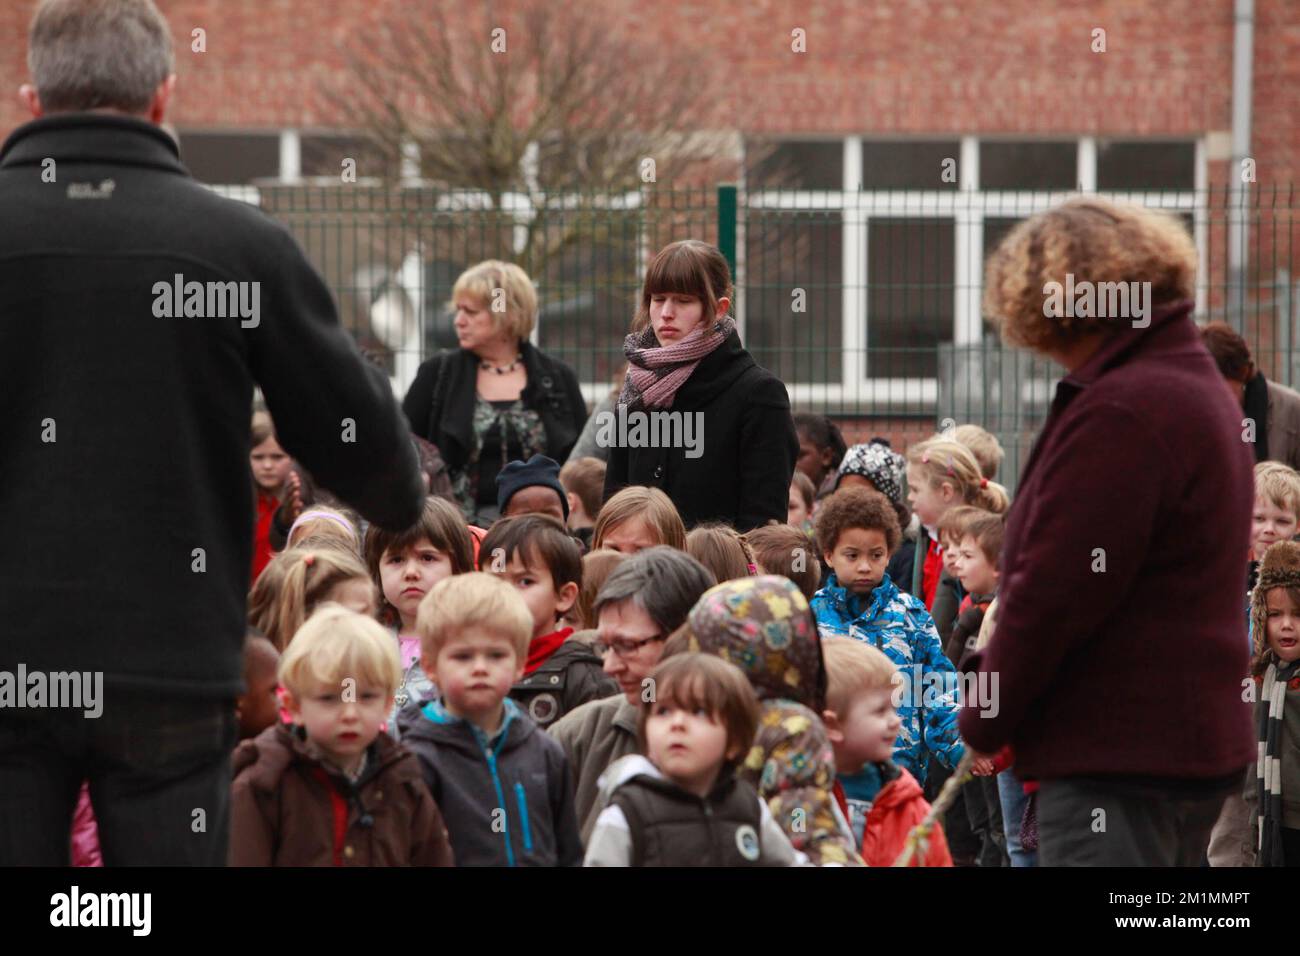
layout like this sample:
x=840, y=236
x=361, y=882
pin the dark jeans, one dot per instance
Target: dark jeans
x=963, y=845
x=159, y=772
x=984, y=812
x=1092, y=821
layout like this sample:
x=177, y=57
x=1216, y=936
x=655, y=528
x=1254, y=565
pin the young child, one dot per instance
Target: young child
x=764, y=626
x=255, y=709
x=322, y=521
x=984, y=445
x=975, y=553
x=300, y=579
x=781, y=549
x=405, y=566
x=941, y=475
x=270, y=465
x=532, y=487
x=682, y=804
x=802, y=498
x=878, y=467
x=976, y=545
x=596, y=567
x=1275, y=627
x=584, y=485
x=1277, y=512
x=638, y=517
x=720, y=549
x=1277, y=508
x=504, y=786
x=534, y=553
x=857, y=530
x=332, y=790
x=642, y=601
x=821, y=449
x=882, y=801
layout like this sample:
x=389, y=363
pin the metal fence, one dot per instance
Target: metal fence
x=866, y=304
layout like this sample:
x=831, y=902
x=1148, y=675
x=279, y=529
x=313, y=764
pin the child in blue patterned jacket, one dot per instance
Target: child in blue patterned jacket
x=857, y=531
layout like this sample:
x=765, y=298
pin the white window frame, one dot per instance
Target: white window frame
x=967, y=206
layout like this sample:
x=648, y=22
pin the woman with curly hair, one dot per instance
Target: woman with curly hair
x=1120, y=642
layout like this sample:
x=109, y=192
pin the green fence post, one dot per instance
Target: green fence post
x=727, y=224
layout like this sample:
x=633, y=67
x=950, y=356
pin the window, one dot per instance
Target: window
x=1146, y=166
x=1028, y=165
x=231, y=159
x=794, y=165
x=910, y=165
x=892, y=258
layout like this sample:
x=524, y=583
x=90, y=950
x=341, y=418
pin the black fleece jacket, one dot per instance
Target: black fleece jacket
x=124, y=472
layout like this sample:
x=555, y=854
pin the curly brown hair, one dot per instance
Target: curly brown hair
x=856, y=507
x=1095, y=240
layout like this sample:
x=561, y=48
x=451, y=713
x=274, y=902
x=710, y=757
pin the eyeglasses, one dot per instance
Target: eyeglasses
x=623, y=649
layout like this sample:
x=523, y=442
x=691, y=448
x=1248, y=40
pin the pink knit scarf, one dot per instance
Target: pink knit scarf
x=655, y=371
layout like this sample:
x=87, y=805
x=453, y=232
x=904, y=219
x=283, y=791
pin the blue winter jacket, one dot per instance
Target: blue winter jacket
x=899, y=625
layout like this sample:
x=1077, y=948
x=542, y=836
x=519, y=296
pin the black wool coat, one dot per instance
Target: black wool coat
x=129, y=515
x=439, y=405
x=749, y=446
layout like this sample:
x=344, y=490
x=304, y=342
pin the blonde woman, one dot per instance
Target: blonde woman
x=497, y=398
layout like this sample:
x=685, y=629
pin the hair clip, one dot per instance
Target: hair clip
x=984, y=482
x=309, y=560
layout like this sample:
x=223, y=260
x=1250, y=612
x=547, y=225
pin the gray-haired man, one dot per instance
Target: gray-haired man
x=126, y=496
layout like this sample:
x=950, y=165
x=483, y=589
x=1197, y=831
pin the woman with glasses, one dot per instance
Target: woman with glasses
x=645, y=599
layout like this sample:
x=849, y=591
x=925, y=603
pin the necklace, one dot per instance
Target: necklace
x=502, y=369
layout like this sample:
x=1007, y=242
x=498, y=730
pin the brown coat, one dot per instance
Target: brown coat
x=284, y=801
x=594, y=736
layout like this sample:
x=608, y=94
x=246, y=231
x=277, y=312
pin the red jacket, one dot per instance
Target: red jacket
x=1134, y=669
x=898, y=808
x=266, y=507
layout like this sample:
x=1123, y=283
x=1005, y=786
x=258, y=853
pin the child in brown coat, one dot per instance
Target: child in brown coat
x=330, y=789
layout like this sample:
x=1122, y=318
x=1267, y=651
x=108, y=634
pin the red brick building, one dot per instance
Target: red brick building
x=856, y=95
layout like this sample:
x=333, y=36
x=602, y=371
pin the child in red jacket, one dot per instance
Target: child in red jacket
x=881, y=800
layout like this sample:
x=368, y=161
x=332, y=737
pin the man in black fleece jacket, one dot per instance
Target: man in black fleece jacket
x=125, y=492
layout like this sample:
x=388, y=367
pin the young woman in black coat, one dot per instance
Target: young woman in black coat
x=727, y=448
x=497, y=398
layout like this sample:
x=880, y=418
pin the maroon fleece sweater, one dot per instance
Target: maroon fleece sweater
x=1136, y=669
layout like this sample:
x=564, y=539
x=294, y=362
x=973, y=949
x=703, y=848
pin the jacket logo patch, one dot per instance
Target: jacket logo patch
x=747, y=842
x=543, y=708
x=101, y=190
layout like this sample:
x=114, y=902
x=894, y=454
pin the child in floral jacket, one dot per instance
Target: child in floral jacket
x=857, y=531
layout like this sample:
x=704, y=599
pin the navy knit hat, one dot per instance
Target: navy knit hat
x=518, y=475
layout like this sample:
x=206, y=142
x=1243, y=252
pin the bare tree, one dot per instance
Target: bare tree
x=557, y=103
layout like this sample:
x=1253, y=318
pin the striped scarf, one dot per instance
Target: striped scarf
x=1268, y=771
x=655, y=372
